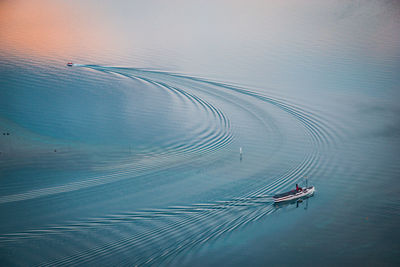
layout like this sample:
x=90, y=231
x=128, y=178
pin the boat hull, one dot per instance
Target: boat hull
x=307, y=192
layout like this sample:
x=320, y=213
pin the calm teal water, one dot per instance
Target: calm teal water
x=131, y=156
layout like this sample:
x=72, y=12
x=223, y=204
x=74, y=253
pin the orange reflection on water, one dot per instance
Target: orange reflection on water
x=47, y=28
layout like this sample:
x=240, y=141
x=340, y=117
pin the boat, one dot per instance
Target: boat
x=296, y=194
x=70, y=64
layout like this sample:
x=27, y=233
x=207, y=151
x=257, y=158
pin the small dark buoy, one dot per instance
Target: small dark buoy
x=4, y=133
x=55, y=150
x=8, y=133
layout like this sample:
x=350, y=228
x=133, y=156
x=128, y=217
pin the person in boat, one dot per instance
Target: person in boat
x=298, y=188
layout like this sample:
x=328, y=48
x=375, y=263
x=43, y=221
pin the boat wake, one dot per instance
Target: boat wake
x=160, y=235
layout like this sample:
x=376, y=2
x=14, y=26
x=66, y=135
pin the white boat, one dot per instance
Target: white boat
x=298, y=193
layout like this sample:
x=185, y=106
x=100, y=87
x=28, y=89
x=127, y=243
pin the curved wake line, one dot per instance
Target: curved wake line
x=316, y=133
x=211, y=136
x=207, y=213
x=212, y=139
x=196, y=224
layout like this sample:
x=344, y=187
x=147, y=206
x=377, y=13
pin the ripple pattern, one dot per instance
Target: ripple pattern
x=158, y=236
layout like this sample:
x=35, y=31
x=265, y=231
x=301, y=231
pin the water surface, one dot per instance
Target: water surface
x=131, y=156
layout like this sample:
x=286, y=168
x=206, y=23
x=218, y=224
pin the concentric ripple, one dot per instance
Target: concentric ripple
x=204, y=138
x=157, y=236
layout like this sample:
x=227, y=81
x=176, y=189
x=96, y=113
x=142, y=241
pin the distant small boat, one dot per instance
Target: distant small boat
x=298, y=193
x=70, y=64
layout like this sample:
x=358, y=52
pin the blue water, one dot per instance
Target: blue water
x=131, y=156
